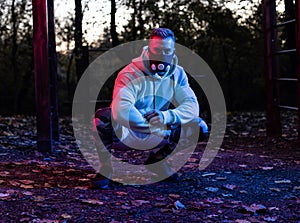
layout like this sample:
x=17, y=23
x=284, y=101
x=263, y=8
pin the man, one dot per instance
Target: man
x=152, y=103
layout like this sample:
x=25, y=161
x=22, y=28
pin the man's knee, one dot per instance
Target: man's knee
x=197, y=129
x=103, y=126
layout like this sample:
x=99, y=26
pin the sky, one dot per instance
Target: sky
x=97, y=15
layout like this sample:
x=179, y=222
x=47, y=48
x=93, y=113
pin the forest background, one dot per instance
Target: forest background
x=229, y=39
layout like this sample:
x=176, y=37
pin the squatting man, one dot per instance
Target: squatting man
x=152, y=105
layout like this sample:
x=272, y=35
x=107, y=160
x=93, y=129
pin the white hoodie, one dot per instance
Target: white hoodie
x=138, y=90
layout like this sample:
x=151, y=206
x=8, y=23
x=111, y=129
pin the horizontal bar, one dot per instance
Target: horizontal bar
x=90, y=101
x=98, y=49
x=285, y=79
x=68, y=103
x=287, y=107
x=284, y=51
x=284, y=23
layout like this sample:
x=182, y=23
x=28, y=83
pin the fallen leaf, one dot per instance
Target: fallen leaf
x=66, y=216
x=254, y=208
x=4, y=173
x=138, y=203
x=91, y=176
x=46, y=221
x=270, y=219
x=92, y=201
x=160, y=204
x=282, y=181
x=84, y=180
x=212, y=189
x=229, y=186
x=208, y=174
x=214, y=200
x=47, y=185
x=4, y=195
x=27, y=193
x=164, y=210
x=273, y=208
x=241, y=221
x=178, y=205
x=120, y=193
x=212, y=216
x=57, y=172
x=174, y=195
x=275, y=189
x=125, y=207
x=14, y=183
x=266, y=167
x=26, y=186
x=81, y=188
x=38, y=198
x=193, y=160
x=227, y=195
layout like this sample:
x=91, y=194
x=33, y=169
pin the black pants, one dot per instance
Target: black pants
x=103, y=126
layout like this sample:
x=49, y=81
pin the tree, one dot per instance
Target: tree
x=16, y=56
x=231, y=48
x=114, y=35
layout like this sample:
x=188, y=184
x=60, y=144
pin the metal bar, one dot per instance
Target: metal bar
x=298, y=60
x=42, y=93
x=286, y=79
x=52, y=71
x=284, y=51
x=284, y=23
x=287, y=107
x=98, y=49
x=273, y=113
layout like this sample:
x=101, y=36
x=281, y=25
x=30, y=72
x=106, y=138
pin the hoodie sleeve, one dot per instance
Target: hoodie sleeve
x=187, y=107
x=123, y=107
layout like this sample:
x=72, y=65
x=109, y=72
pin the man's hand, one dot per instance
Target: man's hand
x=154, y=117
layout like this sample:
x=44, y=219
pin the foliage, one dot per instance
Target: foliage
x=234, y=50
x=230, y=41
x=16, y=56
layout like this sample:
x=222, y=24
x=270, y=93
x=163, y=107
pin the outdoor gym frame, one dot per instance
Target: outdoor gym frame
x=45, y=68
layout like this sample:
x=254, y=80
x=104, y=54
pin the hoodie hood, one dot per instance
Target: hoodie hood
x=142, y=63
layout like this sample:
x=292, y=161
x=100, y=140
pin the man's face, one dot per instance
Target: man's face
x=160, y=46
x=161, y=53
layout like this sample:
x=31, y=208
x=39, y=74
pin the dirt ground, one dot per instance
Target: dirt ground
x=252, y=179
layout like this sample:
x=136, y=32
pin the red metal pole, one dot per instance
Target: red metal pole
x=298, y=60
x=273, y=114
x=42, y=93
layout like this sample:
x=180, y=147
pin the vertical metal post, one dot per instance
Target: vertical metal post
x=53, y=71
x=298, y=60
x=42, y=93
x=273, y=113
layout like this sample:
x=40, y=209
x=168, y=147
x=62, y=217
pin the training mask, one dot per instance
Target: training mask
x=160, y=62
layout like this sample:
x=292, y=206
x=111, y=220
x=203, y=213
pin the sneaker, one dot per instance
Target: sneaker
x=161, y=170
x=101, y=182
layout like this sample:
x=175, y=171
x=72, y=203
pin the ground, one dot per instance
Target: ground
x=253, y=178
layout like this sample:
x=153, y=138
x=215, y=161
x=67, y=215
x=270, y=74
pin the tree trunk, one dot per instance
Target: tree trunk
x=14, y=50
x=113, y=31
x=78, y=39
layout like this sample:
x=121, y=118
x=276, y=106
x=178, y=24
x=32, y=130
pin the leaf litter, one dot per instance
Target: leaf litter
x=253, y=179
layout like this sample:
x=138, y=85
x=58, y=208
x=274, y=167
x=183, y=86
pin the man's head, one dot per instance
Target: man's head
x=161, y=50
